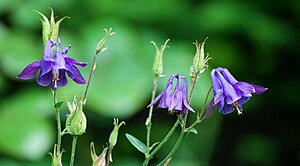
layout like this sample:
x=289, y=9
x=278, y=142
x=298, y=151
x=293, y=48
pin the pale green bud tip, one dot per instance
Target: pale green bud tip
x=114, y=134
x=76, y=122
x=56, y=157
x=101, y=44
x=50, y=28
x=158, y=60
x=98, y=160
x=200, y=62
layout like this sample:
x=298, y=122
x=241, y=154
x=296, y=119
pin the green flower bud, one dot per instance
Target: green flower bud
x=98, y=160
x=158, y=60
x=56, y=157
x=200, y=62
x=101, y=44
x=114, y=134
x=50, y=28
x=76, y=122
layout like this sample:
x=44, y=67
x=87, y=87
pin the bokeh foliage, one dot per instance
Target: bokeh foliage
x=258, y=41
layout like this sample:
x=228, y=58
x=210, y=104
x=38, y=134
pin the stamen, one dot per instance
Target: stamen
x=236, y=106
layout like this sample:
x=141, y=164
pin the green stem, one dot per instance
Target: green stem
x=199, y=116
x=148, y=120
x=161, y=143
x=108, y=156
x=173, y=149
x=74, y=142
x=90, y=77
x=58, y=122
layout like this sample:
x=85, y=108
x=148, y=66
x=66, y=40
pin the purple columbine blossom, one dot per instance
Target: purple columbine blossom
x=230, y=94
x=176, y=100
x=53, y=69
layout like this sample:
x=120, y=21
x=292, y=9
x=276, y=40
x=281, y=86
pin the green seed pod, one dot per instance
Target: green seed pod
x=101, y=44
x=76, y=122
x=158, y=60
x=50, y=28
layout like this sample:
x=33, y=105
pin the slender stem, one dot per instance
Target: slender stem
x=90, y=76
x=173, y=149
x=108, y=156
x=58, y=122
x=199, y=116
x=74, y=142
x=148, y=120
x=161, y=143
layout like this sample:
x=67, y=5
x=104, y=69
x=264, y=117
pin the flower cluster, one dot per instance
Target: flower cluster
x=53, y=68
x=176, y=100
x=230, y=94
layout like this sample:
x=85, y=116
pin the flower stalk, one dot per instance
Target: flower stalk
x=58, y=122
x=74, y=142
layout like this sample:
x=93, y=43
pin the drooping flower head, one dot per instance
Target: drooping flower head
x=53, y=67
x=174, y=100
x=230, y=94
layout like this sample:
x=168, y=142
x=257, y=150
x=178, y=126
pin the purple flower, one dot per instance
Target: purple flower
x=230, y=94
x=53, y=69
x=176, y=100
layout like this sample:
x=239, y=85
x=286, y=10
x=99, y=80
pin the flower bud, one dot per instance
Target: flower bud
x=50, y=28
x=56, y=157
x=114, y=134
x=98, y=160
x=76, y=122
x=158, y=60
x=200, y=62
x=101, y=44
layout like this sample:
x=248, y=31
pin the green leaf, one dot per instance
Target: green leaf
x=58, y=104
x=193, y=130
x=137, y=143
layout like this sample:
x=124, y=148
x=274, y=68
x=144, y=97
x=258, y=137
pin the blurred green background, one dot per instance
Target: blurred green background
x=257, y=41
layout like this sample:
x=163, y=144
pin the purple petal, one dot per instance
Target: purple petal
x=186, y=104
x=226, y=74
x=30, y=70
x=59, y=60
x=156, y=99
x=73, y=61
x=48, y=50
x=210, y=109
x=243, y=100
x=245, y=88
x=46, y=67
x=230, y=93
x=62, y=78
x=259, y=89
x=65, y=51
x=75, y=75
x=45, y=80
x=228, y=108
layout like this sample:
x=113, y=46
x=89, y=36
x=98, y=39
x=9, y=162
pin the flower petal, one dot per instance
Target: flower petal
x=226, y=74
x=230, y=93
x=45, y=80
x=244, y=88
x=73, y=61
x=156, y=99
x=75, y=75
x=62, y=81
x=227, y=109
x=30, y=70
x=259, y=89
x=46, y=67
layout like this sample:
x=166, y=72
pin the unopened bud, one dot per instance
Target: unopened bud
x=101, y=44
x=98, y=160
x=76, y=122
x=114, y=134
x=50, y=27
x=56, y=157
x=158, y=60
x=200, y=62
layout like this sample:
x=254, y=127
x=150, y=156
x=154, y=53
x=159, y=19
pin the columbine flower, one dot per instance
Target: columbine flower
x=53, y=68
x=176, y=100
x=230, y=94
